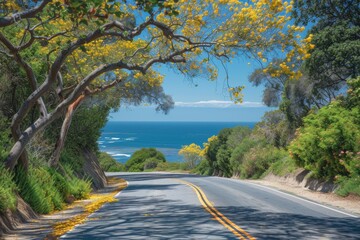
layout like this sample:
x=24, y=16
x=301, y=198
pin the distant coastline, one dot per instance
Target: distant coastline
x=122, y=138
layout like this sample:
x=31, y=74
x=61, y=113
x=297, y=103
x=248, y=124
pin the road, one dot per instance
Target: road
x=182, y=206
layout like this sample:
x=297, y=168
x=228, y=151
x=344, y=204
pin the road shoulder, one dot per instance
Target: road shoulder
x=52, y=226
x=349, y=204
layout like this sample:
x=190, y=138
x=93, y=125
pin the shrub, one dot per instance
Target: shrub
x=170, y=166
x=327, y=134
x=192, y=155
x=37, y=188
x=151, y=163
x=283, y=166
x=73, y=159
x=258, y=159
x=203, y=168
x=109, y=164
x=137, y=160
x=237, y=156
x=45, y=189
x=79, y=188
x=350, y=184
x=7, y=190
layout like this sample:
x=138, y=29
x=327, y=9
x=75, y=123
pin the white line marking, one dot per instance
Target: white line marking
x=303, y=199
x=128, y=184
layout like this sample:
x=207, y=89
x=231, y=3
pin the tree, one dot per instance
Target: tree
x=192, y=154
x=136, y=162
x=333, y=59
x=274, y=128
x=104, y=37
x=328, y=144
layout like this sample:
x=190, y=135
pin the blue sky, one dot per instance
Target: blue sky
x=203, y=100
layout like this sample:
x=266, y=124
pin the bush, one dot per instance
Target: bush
x=283, y=166
x=38, y=189
x=7, y=190
x=203, y=168
x=46, y=190
x=79, y=188
x=151, y=163
x=73, y=159
x=170, y=166
x=109, y=164
x=326, y=135
x=258, y=159
x=237, y=156
x=137, y=160
x=350, y=184
x=192, y=155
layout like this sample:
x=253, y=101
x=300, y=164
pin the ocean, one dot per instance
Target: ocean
x=122, y=139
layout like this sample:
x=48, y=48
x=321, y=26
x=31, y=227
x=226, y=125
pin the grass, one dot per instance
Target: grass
x=349, y=186
x=282, y=167
x=170, y=166
x=7, y=190
x=46, y=190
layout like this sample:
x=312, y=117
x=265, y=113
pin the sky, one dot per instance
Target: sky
x=203, y=100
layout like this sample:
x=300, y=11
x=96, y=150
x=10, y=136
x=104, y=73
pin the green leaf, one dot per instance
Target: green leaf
x=82, y=48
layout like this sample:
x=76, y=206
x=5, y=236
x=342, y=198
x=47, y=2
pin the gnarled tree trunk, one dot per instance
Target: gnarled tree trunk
x=64, y=130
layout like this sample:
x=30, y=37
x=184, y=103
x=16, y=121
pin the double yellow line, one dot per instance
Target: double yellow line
x=236, y=230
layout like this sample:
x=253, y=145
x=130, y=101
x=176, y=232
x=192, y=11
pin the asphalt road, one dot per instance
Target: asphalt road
x=164, y=206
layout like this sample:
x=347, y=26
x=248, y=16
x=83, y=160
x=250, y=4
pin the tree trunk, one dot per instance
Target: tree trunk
x=19, y=147
x=64, y=130
x=23, y=158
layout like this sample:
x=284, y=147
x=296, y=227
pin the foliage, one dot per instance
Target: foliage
x=237, y=156
x=79, y=188
x=218, y=154
x=275, y=128
x=7, y=190
x=349, y=186
x=138, y=158
x=192, y=154
x=72, y=159
x=258, y=160
x=38, y=189
x=170, y=166
x=336, y=55
x=283, y=167
x=203, y=168
x=109, y=164
x=70, y=50
x=5, y=141
x=46, y=190
x=334, y=43
x=326, y=12
x=326, y=135
x=151, y=163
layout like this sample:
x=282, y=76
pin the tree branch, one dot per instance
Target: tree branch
x=31, y=13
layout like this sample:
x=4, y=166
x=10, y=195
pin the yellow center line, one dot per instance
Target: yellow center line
x=235, y=229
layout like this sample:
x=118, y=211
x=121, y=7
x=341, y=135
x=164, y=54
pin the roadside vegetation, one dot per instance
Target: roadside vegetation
x=109, y=164
x=65, y=65
x=317, y=125
x=144, y=159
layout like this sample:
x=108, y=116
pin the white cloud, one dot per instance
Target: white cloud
x=218, y=104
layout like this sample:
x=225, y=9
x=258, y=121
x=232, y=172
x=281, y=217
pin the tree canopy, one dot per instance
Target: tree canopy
x=77, y=49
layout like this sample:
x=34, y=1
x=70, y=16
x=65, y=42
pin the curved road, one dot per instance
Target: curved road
x=171, y=206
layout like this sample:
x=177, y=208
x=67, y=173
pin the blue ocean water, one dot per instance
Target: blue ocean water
x=121, y=139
